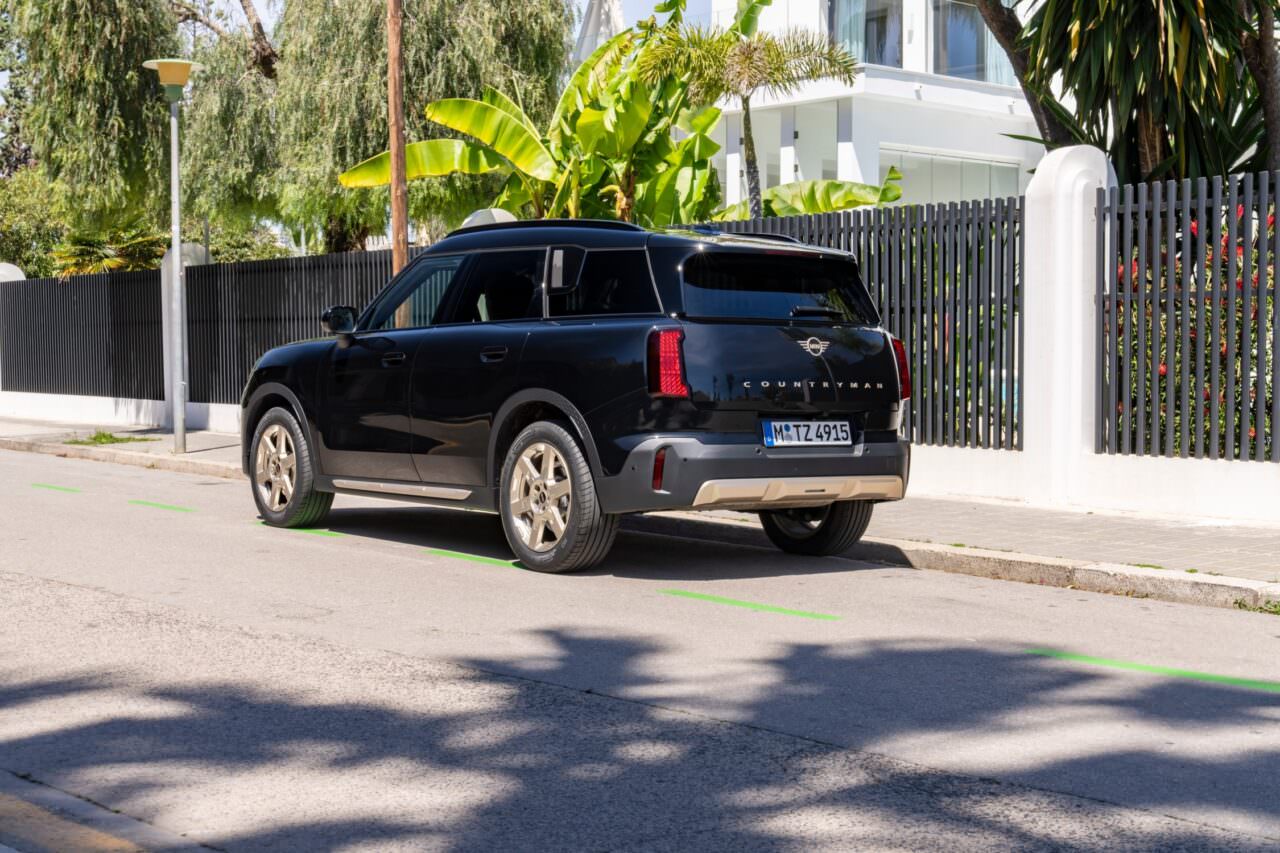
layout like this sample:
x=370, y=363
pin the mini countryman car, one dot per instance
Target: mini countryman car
x=564, y=373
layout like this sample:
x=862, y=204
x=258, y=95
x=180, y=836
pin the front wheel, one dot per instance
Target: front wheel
x=817, y=531
x=550, y=511
x=284, y=486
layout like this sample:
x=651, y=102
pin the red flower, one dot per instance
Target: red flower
x=1164, y=369
x=1240, y=211
x=1253, y=433
x=1120, y=407
x=1206, y=396
x=1255, y=279
x=1195, y=228
x=1271, y=220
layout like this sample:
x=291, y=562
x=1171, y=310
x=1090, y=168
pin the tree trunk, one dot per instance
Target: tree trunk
x=1005, y=26
x=1263, y=61
x=264, y=52
x=342, y=236
x=755, y=207
x=1151, y=142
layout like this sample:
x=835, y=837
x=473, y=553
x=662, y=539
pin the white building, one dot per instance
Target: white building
x=935, y=97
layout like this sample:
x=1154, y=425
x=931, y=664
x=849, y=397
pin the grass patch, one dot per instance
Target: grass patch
x=958, y=545
x=1148, y=566
x=1192, y=571
x=102, y=437
x=1272, y=607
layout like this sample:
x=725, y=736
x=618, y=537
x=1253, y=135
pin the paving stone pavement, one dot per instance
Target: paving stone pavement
x=1208, y=546
x=1177, y=545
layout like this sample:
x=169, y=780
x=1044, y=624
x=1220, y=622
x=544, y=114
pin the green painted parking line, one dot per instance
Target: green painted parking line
x=475, y=558
x=749, y=605
x=1230, y=680
x=169, y=507
x=53, y=488
x=314, y=531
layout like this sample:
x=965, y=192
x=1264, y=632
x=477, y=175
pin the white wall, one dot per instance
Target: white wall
x=114, y=411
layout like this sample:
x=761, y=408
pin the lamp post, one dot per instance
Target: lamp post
x=174, y=74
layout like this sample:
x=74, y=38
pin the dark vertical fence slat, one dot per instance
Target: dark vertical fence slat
x=1184, y=326
x=1246, y=304
x=1125, y=324
x=1215, y=322
x=1258, y=327
x=1233, y=224
x=1170, y=329
x=1197, y=398
x=1113, y=356
x=1138, y=325
x=1274, y=432
x=1103, y=342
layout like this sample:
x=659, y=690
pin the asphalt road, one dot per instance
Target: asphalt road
x=394, y=682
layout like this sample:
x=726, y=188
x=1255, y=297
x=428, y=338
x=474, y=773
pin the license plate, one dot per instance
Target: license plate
x=806, y=433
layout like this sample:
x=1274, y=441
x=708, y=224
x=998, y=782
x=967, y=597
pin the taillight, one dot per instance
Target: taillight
x=904, y=369
x=666, y=364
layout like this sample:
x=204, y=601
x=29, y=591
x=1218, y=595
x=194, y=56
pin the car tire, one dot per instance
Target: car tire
x=546, y=484
x=817, y=531
x=282, y=474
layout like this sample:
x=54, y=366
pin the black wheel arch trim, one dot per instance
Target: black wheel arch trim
x=248, y=428
x=550, y=398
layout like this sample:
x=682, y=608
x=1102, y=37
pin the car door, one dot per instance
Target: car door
x=365, y=424
x=466, y=368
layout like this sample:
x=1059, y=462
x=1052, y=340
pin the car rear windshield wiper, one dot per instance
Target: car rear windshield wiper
x=816, y=311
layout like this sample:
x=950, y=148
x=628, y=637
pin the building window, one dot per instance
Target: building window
x=964, y=47
x=928, y=178
x=869, y=29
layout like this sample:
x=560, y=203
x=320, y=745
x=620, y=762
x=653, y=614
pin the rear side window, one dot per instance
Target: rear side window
x=775, y=285
x=610, y=282
x=502, y=286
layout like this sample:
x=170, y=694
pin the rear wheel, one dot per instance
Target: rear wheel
x=548, y=502
x=284, y=485
x=817, y=531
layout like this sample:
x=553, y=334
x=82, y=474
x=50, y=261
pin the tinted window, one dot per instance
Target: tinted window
x=502, y=286
x=616, y=282
x=775, y=285
x=415, y=299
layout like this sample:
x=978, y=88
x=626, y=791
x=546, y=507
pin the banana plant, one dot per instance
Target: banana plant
x=826, y=196
x=608, y=149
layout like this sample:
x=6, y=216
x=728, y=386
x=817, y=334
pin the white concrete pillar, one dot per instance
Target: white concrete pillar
x=788, y=164
x=733, y=163
x=846, y=163
x=917, y=35
x=1060, y=281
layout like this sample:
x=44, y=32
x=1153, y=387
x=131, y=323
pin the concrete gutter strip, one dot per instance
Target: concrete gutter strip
x=159, y=461
x=1113, y=578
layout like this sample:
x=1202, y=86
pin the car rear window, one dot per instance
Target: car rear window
x=776, y=285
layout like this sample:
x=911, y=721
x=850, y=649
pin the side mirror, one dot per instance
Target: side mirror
x=339, y=319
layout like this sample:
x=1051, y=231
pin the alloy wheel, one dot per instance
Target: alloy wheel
x=275, y=468
x=541, y=496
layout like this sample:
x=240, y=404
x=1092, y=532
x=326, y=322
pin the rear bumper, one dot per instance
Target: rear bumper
x=701, y=475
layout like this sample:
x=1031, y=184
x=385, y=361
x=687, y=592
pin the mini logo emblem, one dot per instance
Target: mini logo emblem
x=814, y=346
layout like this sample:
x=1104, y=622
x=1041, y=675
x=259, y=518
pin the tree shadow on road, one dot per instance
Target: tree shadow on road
x=497, y=755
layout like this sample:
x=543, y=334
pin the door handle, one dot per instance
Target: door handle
x=492, y=355
x=391, y=359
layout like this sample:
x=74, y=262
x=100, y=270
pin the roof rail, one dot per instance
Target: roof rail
x=708, y=229
x=603, y=224
x=760, y=235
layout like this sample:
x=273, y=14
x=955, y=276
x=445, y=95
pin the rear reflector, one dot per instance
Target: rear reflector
x=904, y=370
x=666, y=364
x=659, y=463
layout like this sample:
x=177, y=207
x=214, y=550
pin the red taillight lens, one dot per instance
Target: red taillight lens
x=666, y=364
x=659, y=464
x=904, y=369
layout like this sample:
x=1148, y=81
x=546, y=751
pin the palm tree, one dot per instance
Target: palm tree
x=130, y=245
x=738, y=62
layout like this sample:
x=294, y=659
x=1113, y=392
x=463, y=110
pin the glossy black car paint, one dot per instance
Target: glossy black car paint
x=438, y=405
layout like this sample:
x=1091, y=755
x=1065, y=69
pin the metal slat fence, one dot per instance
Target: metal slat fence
x=948, y=281
x=236, y=312
x=1189, y=320
x=94, y=335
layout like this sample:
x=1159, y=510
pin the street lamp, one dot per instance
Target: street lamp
x=174, y=74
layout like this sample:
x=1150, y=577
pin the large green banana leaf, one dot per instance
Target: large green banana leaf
x=499, y=130
x=747, y=20
x=804, y=197
x=590, y=76
x=495, y=98
x=430, y=159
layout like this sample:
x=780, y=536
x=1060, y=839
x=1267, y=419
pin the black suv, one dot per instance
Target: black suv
x=563, y=373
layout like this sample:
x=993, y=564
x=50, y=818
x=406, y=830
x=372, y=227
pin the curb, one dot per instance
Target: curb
x=157, y=461
x=1112, y=578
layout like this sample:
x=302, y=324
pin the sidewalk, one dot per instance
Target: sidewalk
x=1208, y=562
